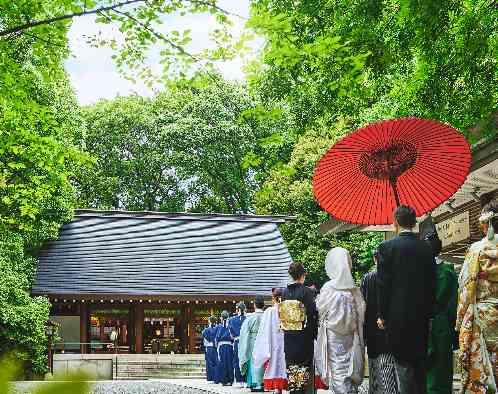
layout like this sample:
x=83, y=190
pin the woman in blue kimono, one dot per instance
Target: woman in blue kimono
x=209, y=338
x=234, y=325
x=224, y=345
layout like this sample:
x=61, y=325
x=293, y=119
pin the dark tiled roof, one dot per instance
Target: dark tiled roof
x=149, y=253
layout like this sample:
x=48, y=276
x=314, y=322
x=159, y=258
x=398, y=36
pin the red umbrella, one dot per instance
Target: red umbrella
x=411, y=161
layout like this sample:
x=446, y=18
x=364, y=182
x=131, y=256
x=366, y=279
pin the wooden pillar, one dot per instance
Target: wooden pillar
x=139, y=328
x=190, y=331
x=84, y=328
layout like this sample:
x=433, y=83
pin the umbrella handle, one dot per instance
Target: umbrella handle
x=393, y=181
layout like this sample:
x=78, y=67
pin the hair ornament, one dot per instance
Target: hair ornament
x=488, y=217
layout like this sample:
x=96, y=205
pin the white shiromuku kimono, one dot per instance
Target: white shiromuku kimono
x=269, y=347
x=340, y=358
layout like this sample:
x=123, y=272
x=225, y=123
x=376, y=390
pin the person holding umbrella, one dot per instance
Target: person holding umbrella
x=405, y=282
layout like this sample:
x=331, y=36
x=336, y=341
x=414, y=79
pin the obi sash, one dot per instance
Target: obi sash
x=292, y=314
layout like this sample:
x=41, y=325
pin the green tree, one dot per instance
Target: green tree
x=288, y=190
x=22, y=318
x=132, y=159
x=215, y=142
x=37, y=159
x=194, y=146
x=342, y=64
x=374, y=60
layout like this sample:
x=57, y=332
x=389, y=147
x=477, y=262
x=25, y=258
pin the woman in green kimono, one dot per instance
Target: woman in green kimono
x=442, y=338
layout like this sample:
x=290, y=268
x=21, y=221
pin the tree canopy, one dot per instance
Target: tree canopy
x=371, y=60
x=187, y=148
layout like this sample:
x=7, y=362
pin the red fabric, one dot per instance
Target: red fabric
x=275, y=384
x=319, y=385
x=430, y=160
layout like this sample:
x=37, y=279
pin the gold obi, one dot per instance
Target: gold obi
x=292, y=314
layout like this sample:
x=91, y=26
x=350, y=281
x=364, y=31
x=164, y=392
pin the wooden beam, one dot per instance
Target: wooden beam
x=135, y=299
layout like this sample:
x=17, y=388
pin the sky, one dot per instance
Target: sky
x=94, y=75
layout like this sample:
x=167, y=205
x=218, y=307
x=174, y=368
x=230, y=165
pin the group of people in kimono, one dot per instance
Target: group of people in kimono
x=410, y=313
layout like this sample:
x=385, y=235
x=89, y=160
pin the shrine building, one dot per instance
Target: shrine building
x=154, y=278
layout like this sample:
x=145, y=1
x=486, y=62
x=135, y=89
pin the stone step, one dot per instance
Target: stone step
x=182, y=364
x=156, y=366
x=163, y=376
x=158, y=372
x=159, y=376
x=164, y=369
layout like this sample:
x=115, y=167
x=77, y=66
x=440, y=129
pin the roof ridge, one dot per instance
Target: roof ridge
x=182, y=215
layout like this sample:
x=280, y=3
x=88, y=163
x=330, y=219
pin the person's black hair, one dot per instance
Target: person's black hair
x=277, y=292
x=296, y=270
x=375, y=254
x=435, y=243
x=405, y=216
x=259, y=302
x=225, y=315
x=241, y=306
x=492, y=206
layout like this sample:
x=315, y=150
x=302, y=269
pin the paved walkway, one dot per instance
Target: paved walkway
x=218, y=389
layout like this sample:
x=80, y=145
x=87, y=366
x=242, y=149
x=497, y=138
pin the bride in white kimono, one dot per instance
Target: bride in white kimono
x=340, y=358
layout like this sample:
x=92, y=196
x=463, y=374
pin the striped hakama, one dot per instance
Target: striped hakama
x=382, y=376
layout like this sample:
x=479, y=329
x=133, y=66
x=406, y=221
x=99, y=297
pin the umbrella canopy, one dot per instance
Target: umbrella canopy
x=410, y=161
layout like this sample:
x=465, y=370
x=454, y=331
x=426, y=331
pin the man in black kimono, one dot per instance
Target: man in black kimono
x=299, y=344
x=405, y=280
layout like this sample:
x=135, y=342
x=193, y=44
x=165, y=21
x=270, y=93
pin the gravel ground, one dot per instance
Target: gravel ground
x=149, y=387
x=123, y=387
x=158, y=387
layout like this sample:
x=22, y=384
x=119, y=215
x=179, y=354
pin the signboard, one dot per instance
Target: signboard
x=454, y=229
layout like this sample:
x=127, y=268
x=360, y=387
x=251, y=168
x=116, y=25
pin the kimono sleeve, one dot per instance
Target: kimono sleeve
x=262, y=346
x=384, y=280
x=244, y=357
x=342, y=314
